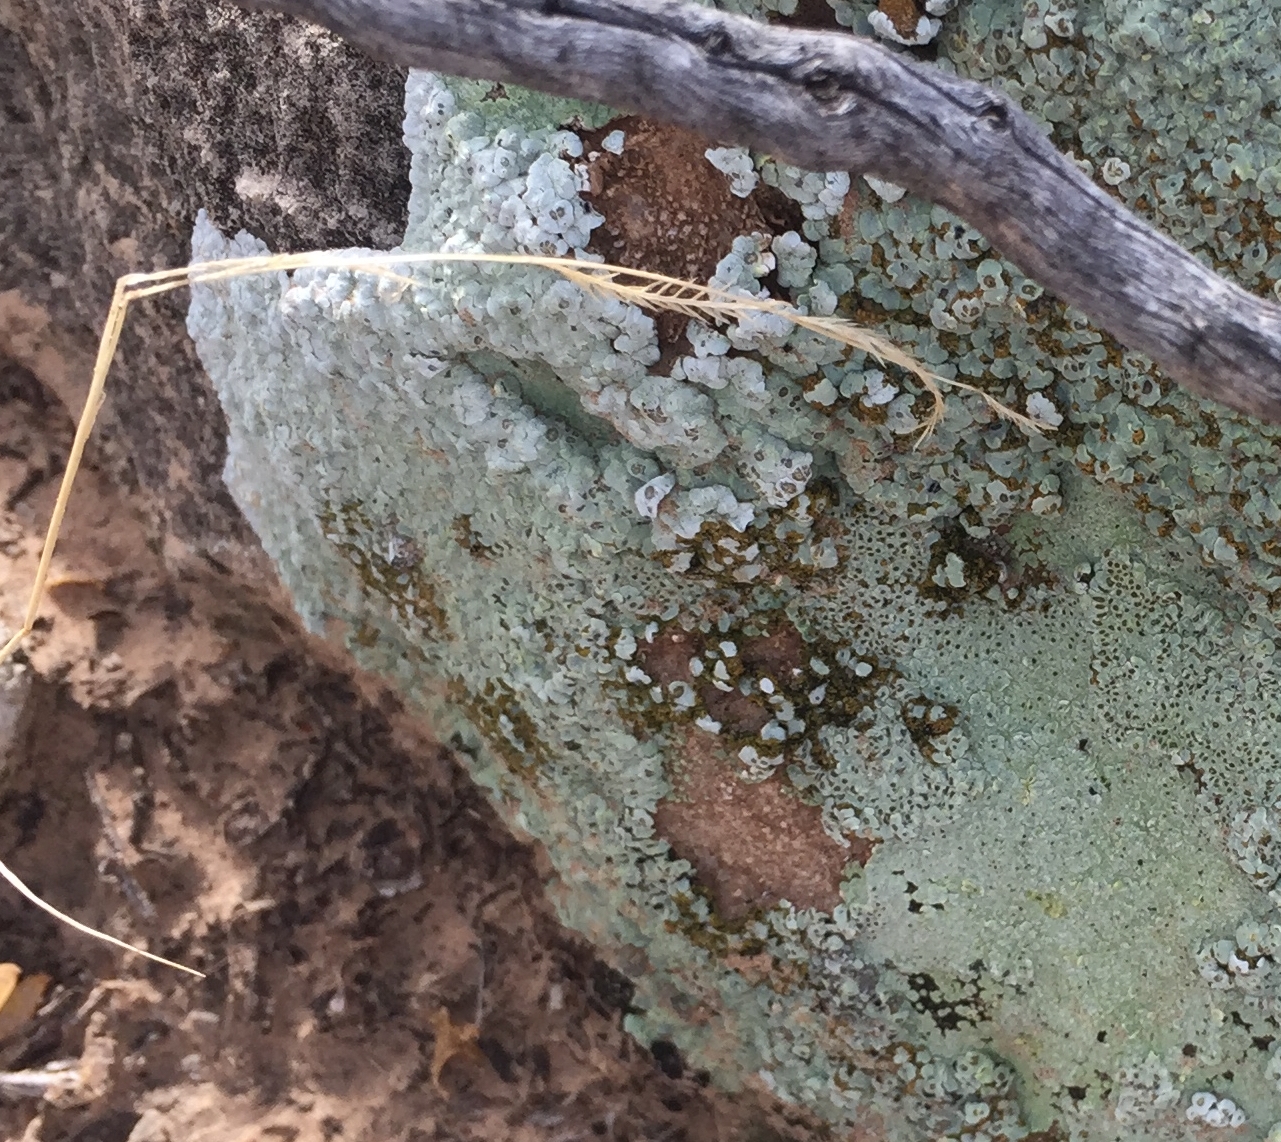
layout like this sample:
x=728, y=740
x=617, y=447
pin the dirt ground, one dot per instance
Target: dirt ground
x=191, y=775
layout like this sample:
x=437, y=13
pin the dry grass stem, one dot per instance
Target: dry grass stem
x=639, y=287
x=79, y=927
x=649, y=290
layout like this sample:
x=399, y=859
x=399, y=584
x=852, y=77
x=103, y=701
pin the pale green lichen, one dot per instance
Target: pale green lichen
x=1039, y=673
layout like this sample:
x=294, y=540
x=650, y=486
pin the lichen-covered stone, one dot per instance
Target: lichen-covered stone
x=933, y=787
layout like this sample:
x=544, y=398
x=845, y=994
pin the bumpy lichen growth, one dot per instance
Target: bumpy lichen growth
x=1010, y=700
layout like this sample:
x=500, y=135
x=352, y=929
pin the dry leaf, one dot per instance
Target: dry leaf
x=79, y=596
x=9, y=975
x=452, y=1039
x=74, y=579
x=19, y=1001
x=23, y=1003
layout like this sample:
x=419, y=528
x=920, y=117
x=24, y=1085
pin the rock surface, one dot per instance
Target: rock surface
x=120, y=122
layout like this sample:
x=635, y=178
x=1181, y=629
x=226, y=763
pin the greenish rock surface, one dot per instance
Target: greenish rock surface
x=1015, y=697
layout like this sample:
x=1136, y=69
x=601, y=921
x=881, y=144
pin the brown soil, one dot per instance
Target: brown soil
x=198, y=778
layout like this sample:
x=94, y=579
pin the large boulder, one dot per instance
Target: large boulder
x=933, y=787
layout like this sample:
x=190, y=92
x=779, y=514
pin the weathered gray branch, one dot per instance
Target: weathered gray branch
x=832, y=101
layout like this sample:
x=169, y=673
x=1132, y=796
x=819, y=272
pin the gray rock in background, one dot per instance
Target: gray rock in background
x=119, y=121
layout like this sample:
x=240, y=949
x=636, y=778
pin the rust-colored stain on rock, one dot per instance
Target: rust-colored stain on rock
x=752, y=845
x=780, y=654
